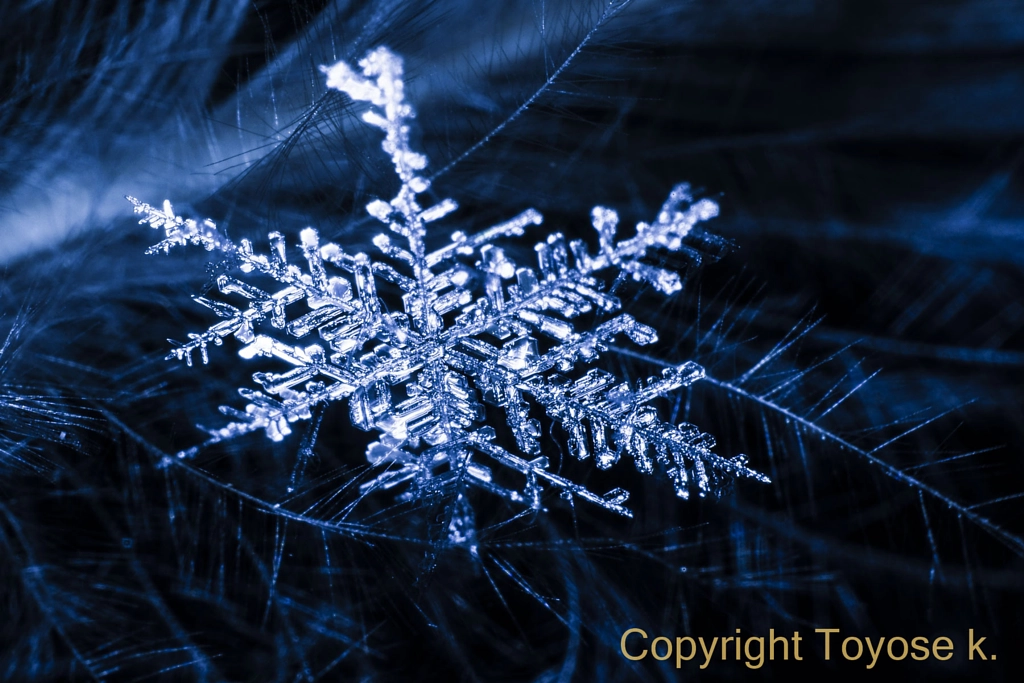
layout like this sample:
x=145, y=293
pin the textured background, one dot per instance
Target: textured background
x=865, y=154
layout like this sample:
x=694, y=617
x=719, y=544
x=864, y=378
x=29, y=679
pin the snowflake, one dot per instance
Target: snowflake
x=470, y=333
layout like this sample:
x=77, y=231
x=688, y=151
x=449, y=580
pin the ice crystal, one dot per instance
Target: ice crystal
x=470, y=332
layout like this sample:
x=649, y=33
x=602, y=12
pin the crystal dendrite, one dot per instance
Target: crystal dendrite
x=467, y=335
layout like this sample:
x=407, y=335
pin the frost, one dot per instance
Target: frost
x=474, y=330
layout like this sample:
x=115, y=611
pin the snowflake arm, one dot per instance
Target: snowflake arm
x=178, y=231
